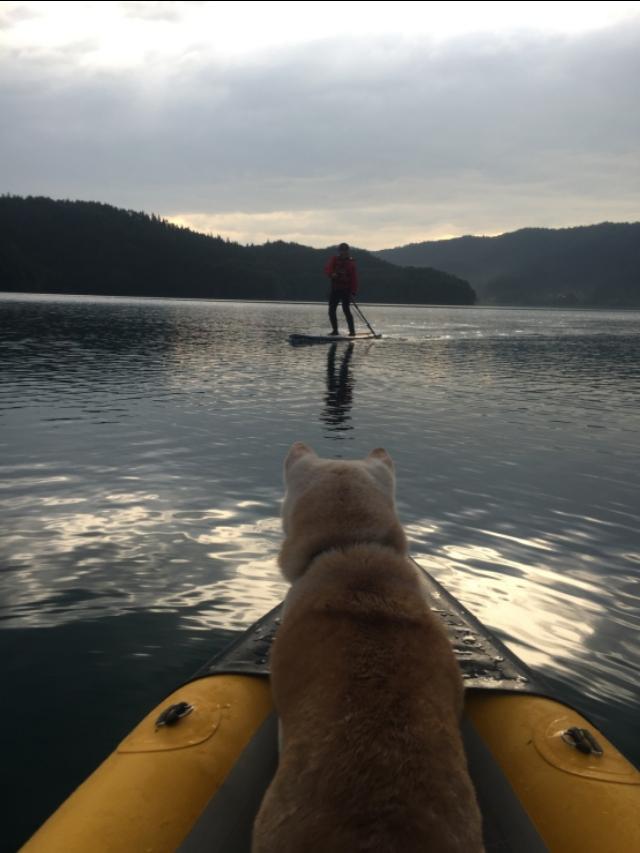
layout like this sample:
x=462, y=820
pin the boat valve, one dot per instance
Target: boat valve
x=173, y=713
x=583, y=741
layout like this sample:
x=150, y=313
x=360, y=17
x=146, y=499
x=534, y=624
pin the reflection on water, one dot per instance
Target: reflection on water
x=140, y=482
x=340, y=382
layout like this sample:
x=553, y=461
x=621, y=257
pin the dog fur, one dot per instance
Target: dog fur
x=364, y=680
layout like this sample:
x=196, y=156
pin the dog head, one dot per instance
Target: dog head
x=332, y=503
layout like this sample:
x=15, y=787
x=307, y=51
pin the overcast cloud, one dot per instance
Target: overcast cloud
x=380, y=140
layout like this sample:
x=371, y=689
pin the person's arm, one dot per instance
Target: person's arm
x=330, y=266
x=354, y=279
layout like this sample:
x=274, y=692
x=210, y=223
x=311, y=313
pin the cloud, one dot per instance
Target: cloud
x=387, y=139
x=13, y=14
x=160, y=11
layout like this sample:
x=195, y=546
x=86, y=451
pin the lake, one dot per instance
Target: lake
x=140, y=481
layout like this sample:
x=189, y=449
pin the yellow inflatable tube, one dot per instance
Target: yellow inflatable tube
x=148, y=794
x=579, y=803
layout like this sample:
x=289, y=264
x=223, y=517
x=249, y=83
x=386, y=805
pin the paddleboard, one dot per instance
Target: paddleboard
x=330, y=339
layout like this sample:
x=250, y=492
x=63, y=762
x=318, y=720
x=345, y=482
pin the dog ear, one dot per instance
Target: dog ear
x=297, y=451
x=381, y=455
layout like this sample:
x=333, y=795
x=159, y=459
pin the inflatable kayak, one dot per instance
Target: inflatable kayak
x=191, y=775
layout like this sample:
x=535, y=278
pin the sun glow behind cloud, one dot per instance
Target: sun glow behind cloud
x=317, y=227
x=133, y=33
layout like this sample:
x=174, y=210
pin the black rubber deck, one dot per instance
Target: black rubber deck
x=486, y=663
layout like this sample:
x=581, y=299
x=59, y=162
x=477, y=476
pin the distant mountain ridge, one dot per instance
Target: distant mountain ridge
x=591, y=265
x=49, y=246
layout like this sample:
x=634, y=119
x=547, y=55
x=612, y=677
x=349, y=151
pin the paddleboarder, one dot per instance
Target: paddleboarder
x=341, y=269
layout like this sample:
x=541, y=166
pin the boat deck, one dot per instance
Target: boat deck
x=485, y=662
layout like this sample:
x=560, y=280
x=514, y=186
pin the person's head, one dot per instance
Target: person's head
x=343, y=250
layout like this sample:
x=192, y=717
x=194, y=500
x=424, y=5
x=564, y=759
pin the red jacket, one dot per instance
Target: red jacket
x=342, y=273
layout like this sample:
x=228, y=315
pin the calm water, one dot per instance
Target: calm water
x=140, y=480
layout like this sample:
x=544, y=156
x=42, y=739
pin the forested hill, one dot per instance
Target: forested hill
x=594, y=265
x=49, y=246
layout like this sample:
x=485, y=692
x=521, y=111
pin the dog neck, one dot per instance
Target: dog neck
x=296, y=556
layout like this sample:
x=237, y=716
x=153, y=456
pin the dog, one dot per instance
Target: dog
x=365, y=683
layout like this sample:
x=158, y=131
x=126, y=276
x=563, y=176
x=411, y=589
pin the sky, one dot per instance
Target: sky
x=379, y=123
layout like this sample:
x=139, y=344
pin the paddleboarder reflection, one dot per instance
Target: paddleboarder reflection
x=339, y=397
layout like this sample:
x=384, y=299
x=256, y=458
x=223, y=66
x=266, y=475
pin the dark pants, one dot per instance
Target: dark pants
x=335, y=298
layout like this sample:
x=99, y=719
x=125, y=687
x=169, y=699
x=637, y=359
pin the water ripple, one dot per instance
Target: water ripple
x=140, y=484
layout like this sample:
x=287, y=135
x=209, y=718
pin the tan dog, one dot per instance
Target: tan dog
x=364, y=680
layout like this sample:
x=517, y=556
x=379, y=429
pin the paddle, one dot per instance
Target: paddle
x=355, y=305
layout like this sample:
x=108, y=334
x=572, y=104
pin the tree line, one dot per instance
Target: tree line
x=590, y=266
x=78, y=247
